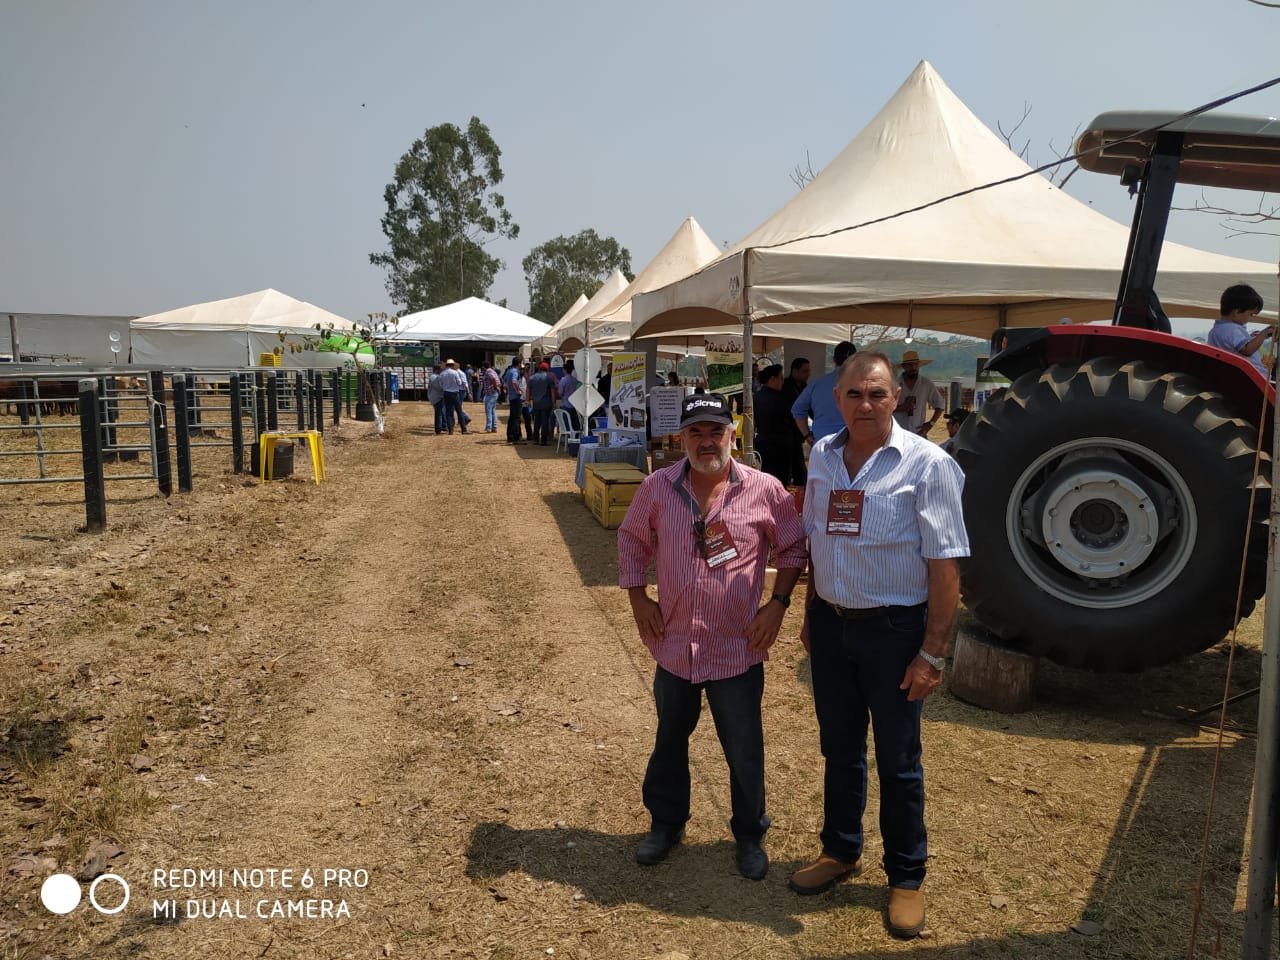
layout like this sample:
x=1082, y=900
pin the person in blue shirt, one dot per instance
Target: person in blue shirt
x=1240, y=304
x=513, y=386
x=817, y=402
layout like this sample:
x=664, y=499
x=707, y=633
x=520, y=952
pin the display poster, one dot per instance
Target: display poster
x=627, y=393
x=501, y=361
x=724, y=363
x=664, y=410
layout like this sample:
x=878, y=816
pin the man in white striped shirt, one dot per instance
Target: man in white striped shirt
x=883, y=515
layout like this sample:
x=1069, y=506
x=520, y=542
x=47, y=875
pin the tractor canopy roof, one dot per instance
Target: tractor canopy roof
x=1218, y=149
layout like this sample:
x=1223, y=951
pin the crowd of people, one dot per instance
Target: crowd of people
x=793, y=412
x=530, y=391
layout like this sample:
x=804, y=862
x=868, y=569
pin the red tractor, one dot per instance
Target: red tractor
x=1110, y=488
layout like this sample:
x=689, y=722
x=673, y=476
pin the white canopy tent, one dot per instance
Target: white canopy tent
x=573, y=334
x=548, y=342
x=233, y=332
x=470, y=320
x=688, y=249
x=1019, y=254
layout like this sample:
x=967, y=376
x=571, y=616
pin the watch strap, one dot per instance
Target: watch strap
x=783, y=599
x=936, y=662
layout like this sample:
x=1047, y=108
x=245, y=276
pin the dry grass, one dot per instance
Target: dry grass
x=423, y=668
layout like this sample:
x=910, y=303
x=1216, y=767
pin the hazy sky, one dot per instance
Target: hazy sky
x=157, y=154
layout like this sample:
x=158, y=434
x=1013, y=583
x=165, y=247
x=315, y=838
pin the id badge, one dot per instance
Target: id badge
x=844, y=513
x=720, y=546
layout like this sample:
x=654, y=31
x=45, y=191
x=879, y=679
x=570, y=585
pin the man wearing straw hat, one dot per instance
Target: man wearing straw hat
x=917, y=391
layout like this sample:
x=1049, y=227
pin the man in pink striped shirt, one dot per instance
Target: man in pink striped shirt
x=707, y=523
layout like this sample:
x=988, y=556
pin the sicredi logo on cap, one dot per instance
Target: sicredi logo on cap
x=705, y=408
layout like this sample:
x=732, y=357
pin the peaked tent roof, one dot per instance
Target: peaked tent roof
x=551, y=337
x=471, y=319
x=232, y=332
x=264, y=311
x=574, y=332
x=688, y=249
x=1021, y=253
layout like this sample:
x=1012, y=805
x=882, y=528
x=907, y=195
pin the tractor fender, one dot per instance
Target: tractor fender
x=1241, y=384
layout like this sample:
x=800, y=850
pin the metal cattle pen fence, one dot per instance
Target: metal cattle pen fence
x=114, y=425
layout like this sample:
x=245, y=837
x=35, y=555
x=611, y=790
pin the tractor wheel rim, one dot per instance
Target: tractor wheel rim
x=1104, y=544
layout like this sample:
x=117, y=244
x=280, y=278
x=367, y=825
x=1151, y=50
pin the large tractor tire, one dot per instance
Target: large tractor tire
x=1107, y=505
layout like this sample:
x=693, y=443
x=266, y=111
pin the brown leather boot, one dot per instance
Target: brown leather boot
x=906, y=912
x=821, y=875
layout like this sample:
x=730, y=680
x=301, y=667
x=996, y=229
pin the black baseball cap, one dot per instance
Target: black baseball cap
x=957, y=415
x=705, y=408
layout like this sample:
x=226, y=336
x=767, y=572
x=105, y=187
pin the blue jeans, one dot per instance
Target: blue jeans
x=443, y=422
x=542, y=424
x=513, y=422
x=735, y=708
x=453, y=405
x=857, y=667
x=491, y=413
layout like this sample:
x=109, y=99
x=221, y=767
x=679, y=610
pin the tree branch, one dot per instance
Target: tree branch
x=803, y=176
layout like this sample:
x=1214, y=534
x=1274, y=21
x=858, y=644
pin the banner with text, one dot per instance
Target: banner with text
x=724, y=363
x=627, y=392
x=664, y=410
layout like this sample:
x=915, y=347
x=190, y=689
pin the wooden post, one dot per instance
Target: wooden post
x=988, y=674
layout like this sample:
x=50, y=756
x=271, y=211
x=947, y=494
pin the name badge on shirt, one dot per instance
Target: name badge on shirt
x=844, y=513
x=720, y=547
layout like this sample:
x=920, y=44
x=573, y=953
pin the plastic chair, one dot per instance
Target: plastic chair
x=564, y=428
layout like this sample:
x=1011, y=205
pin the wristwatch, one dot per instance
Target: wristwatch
x=936, y=662
x=783, y=599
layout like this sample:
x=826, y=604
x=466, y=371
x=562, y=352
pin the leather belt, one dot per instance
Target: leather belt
x=868, y=613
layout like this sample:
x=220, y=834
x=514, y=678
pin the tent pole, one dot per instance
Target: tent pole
x=13, y=339
x=1259, y=907
x=748, y=400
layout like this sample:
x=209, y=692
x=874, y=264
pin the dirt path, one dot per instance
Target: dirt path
x=423, y=669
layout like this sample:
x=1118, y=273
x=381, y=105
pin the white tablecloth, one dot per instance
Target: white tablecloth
x=595, y=453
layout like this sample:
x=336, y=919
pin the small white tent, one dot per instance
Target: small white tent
x=1022, y=253
x=573, y=335
x=233, y=332
x=550, y=340
x=469, y=320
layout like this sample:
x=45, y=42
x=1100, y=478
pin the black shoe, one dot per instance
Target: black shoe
x=656, y=845
x=753, y=862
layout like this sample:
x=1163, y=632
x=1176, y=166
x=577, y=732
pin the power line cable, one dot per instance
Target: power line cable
x=1075, y=157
